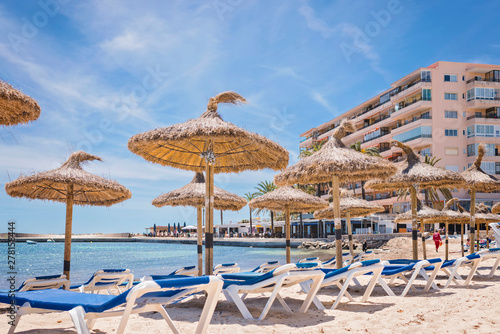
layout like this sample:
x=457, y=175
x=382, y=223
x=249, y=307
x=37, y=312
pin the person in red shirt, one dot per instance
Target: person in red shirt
x=437, y=239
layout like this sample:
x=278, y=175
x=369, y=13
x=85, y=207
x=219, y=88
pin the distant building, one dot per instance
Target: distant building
x=443, y=110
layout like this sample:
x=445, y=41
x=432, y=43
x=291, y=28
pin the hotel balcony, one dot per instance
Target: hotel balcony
x=415, y=105
x=410, y=89
x=483, y=103
x=483, y=82
x=483, y=119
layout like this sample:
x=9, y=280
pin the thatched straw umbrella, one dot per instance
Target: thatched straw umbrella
x=412, y=172
x=16, y=107
x=332, y=162
x=350, y=206
x=193, y=194
x=496, y=208
x=288, y=199
x=211, y=144
x=70, y=184
x=476, y=180
x=426, y=215
x=482, y=216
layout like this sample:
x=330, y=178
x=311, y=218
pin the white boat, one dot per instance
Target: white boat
x=50, y=240
x=31, y=242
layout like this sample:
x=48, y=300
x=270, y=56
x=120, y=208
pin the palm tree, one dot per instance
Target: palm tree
x=265, y=187
x=371, y=151
x=250, y=196
x=431, y=195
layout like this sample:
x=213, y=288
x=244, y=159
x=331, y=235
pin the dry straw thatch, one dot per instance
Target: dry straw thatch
x=482, y=215
x=193, y=194
x=476, y=179
x=89, y=189
x=452, y=216
x=186, y=145
x=296, y=199
x=334, y=158
x=349, y=204
x=412, y=171
x=16, y=107
x=425, y=213
x=496, y=208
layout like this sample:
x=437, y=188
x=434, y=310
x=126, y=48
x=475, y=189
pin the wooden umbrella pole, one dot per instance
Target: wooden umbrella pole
x=446, y=245
x=414, y=226
x=349, y=232
x=67, y=233
x=424, y=249
x=338, y=224
x=199, y=240
x=209, y=223
x=287, y=227
x=462, y=238
x=472, y=221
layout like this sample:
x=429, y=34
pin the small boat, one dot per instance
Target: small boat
x=31, y=242
x=50, y=240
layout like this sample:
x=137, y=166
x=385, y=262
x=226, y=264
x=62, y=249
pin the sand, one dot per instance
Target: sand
x=453, y=310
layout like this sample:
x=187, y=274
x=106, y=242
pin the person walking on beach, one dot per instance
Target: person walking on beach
x=365, y=245
x=437, y=239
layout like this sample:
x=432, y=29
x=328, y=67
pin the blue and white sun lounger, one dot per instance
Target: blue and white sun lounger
x=226, y=268
x=332, y=263
x=266, y=267
x=400, y=268
x=106, y=279
x=144, y=297
x=488, y=254
x=343, y=277
x=364, y=256
x=450, y=267
x=273, y=281
x=45, y=282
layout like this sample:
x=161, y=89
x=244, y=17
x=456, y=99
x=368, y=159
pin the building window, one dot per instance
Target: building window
x=426, y=95
x=450, y=114
x=479, y=130
x=425, y=76
x=480, y=93
x=472, y=150
x=450, y=96
x=426, y=115
x=426, y=151
x=451, y=132
x=450, y=77
x=453, y=168
x=451, y=150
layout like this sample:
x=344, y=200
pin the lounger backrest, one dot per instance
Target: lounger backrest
x=226, y=268
x=109, y=277
x=283, y=269
x=266, y=267
x=186, y=271
x=45, y=282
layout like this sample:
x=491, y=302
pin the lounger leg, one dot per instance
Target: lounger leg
x=494, y=268
x=472, y=272
x=409, y=283
x=341, y=293
x=91, y=323
x=271, y=299
x=452, y=276
x=307, y=288
x=208, y=310
x=385, y=286
x=239, y=303
x=312, y=293
x=228, y=295
x=126, y=314
x=356, y=282
x=16, y=321
x=283, y=303
x=347, y=294
x=430, y=280
x=160, y=309
x=78, y=316
x=371, y=285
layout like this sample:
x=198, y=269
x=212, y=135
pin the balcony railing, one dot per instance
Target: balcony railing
x=376, y=121
x=482, y=79
x=416, y=137
x=484, y=116
x=398, y=125
x=380, y=135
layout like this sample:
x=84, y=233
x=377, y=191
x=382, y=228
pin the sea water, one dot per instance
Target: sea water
x=142, y=258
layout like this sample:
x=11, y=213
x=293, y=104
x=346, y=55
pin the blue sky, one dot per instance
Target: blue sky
x=103, y=71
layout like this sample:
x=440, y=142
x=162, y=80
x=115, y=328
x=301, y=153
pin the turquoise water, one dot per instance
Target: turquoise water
x=141, y=258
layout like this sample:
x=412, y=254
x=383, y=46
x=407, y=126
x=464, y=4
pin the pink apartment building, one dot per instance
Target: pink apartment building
x=444, y=110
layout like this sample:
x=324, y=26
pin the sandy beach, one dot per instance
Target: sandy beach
x=454, y=310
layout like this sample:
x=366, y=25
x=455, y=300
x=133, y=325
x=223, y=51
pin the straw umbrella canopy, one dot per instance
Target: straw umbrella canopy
x=193, y=194
x=332, y=162
x=211, y=144
x=426, y=215
x=16, y=107
x=72, y=185
x=496, y=208
x=350, y=206
x=476, y=180
x=412, y=173
x=288, y=199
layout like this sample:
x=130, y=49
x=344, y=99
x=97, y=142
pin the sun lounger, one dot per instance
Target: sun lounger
x=400, y=268
x=272, y=281
x=365, y=256
x=266, y=267
x=332, y=263
x=343, y=277
x=145, y=297
x=451, y=267
x=44, y=282
x=489, y=254
x=226, y=268
x=106, y=279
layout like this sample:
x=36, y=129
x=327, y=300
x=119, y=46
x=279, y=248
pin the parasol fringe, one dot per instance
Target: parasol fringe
x=225, y=97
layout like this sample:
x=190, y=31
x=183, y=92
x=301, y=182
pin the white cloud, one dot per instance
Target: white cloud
x=314, y=23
